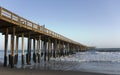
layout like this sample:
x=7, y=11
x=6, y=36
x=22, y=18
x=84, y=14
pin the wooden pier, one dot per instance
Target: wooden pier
x=52, y=44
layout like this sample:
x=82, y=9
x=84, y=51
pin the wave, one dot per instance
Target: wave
x=93, y=57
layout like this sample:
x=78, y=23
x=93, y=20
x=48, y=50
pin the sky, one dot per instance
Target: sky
x=90, y=22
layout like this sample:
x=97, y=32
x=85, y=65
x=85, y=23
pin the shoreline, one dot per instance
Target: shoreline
x=41, y=70
x=27, y=71
x=52, y=67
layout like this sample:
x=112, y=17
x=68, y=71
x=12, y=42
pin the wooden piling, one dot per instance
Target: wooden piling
x=28, y=51
x=22, y=48
x=16, y=51
x=39, y=38
x=42, y=48
x=66, y=48
x=49, y=48
x=6, y=47
x=50, y=51
x=54, y=50
x=37, y=48
x=34, y=52
x=58, y=48
x=63, y=49
x=10, y=51
x=12, y=47
x=45, y=49
x=69, y=49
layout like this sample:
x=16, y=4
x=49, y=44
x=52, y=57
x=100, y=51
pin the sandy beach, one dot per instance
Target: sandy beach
x=16, y=71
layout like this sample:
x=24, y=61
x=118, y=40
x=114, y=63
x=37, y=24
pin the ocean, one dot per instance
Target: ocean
x=99, y=61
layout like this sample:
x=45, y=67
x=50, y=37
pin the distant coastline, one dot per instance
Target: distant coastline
x=106, y=49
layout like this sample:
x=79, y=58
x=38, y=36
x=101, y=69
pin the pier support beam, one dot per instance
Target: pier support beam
x=45, y=45
x=71, y=50
x=63, y=49
x=55, y=48
x=22, y=48
x=59, y=50
x=16, y=51
x=34, y=52
x=49, y=48
x=10, y=55
x=39, y=50
x=42, y=47
x=78, y=49
x=68, y=49
x=12, y=47
x=28, y=55
x=6, y=47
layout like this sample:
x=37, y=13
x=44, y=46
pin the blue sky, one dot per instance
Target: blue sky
x=90, y=22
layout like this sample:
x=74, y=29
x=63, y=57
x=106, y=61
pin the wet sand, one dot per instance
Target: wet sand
x=22, y=71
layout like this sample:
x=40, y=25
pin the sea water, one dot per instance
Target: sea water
x=90, y=61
